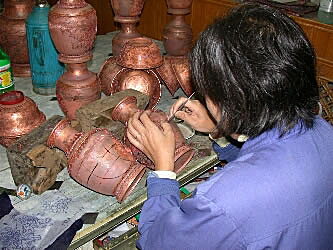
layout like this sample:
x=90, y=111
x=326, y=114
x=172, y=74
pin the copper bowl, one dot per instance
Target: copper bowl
x=168, y=75
x=145, y=81
x=140, y=53
x=107, y=74
x=18, y=116
x=181, y=67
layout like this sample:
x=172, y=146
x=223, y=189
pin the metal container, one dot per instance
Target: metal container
x=13, y=39
x=45, y=67
x=97, y=160
x=18, y=116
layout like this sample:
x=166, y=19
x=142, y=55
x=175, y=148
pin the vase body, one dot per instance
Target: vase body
x=44, y=63
x=177, y=35
x=18, y=116
x=127, y=13
x=183, y=153
x=13, y=34
x=75, y=88
x=73, y=27
x=97, y=160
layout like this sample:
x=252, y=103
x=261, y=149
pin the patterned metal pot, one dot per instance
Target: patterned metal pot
x=97, y=160
x=18, y=116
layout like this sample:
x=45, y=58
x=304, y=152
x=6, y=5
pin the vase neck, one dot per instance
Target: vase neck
x=77, y=69
x=64, y=136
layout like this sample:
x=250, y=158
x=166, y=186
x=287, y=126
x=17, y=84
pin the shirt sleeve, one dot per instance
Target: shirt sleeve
x=166, y=222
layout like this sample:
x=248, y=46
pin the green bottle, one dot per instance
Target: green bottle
x=6, y=74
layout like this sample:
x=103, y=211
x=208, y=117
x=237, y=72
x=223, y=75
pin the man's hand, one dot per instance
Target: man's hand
x=157, y=144
x=195, y=114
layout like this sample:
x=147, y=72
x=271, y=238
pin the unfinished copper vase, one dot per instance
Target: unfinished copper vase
x=127, y=107
x=97, y=160
x=18, y=116
x=127, y=13
x=13, y=38
x=177, y=35
x=73, y=27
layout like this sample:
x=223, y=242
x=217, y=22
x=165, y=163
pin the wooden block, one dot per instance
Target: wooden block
x=97, y=114
x=32, y=162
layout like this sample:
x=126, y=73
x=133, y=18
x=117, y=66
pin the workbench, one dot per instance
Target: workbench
x=110, y=212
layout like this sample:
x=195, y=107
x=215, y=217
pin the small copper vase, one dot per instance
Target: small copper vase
x=18, y=116
x=13, y=38
x=177, y=35
x=73, y=27
x=97, y=160
x=127, y=107
x=127, y=13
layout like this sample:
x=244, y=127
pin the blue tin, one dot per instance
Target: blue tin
x=45, y=67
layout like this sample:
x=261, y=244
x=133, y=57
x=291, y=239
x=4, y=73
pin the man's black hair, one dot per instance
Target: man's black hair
x=258, y=66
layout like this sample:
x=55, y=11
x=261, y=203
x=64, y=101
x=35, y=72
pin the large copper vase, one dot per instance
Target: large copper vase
x=127, y=107
x=97, y=160
x=18, y=116
x=127, y=13
x=73, y=27
x=13, y=38
x=177, y=35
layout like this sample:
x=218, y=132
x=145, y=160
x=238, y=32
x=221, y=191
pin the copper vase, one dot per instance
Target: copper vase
x=97, y=160
x=127, y=107
x=177, y=35
x=127, y=13
x=18, y=116
x=13, y=38
x=73, y=27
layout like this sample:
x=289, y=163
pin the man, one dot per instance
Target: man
x=254, y=74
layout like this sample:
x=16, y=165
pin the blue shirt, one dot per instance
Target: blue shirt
x=276, y=194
